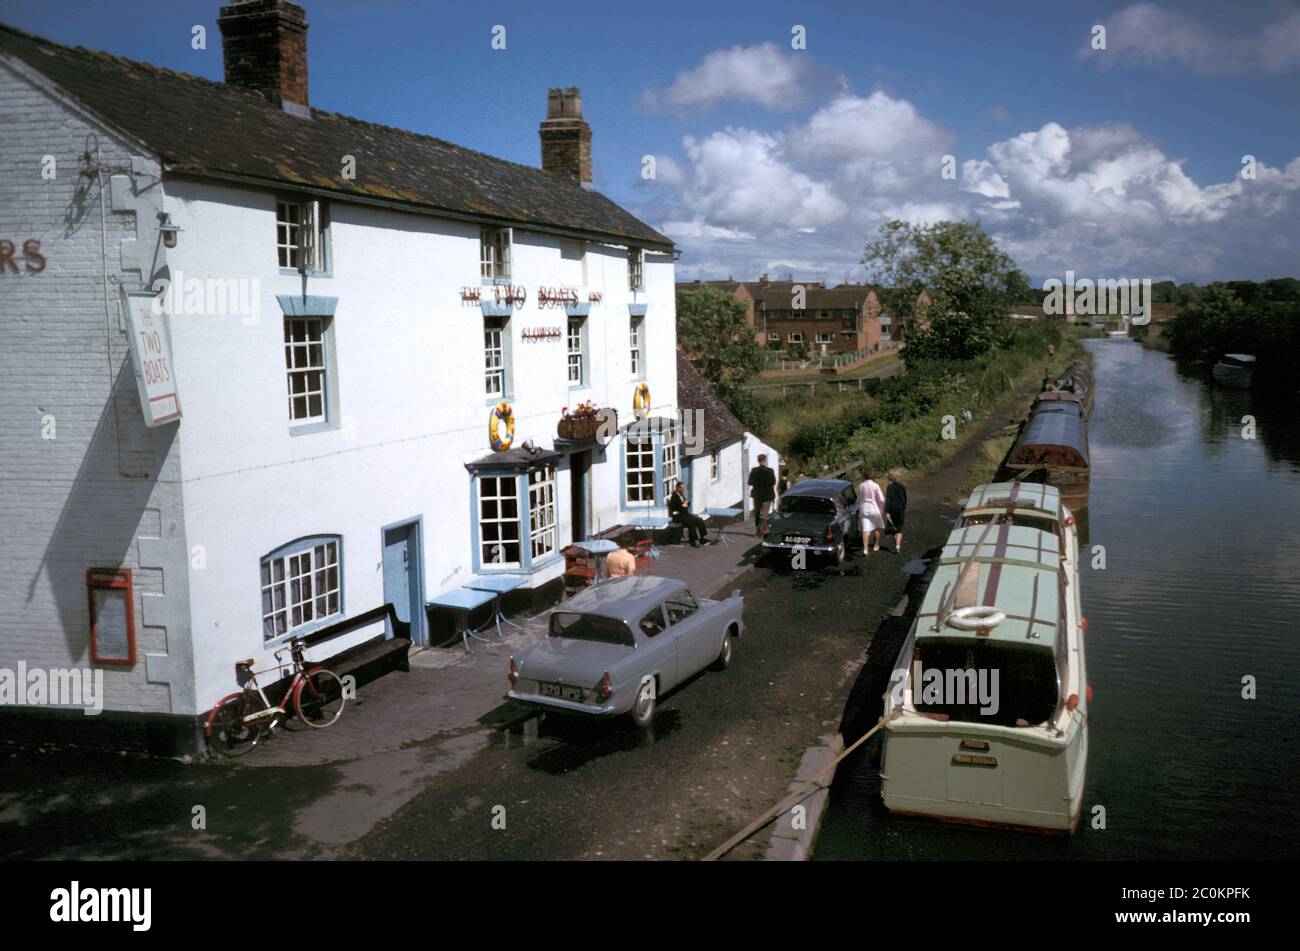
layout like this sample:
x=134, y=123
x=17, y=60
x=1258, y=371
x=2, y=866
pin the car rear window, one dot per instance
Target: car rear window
x=806, y=505
x=590, y=627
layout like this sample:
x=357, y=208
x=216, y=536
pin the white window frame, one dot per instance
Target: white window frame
x=301, y=585
x=494, y=253
x=639, y=457
x=508, y=526
x=300, y=235
x=577, y=358
x=825, y=337
x=670, y=454
x=636, y=269
x=636, y=346
x=773, y=336
x=542, y=530
x=796, y=336
x=495, y=367
x=306, y=369
x=714, y=460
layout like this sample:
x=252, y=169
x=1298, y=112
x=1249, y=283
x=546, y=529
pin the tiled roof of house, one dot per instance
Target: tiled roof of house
x=212, y=129
x=694, y=392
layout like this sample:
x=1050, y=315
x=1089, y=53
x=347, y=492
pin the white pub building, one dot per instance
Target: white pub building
x=265, y=367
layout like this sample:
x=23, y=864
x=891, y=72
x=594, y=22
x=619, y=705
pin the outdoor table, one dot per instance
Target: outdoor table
x=723, y=513
x=650, y=522
x=462, y=601
x=600, y=547
x=500, y=584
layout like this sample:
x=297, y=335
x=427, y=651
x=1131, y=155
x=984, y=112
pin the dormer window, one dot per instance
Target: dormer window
x=300, y=235
x=635, y=268
x=494, y=254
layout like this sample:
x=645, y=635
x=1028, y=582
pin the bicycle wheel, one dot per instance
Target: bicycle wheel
x=227, y=730
x=319, y=698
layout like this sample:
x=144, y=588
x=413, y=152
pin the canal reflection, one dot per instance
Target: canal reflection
x=1198, y=597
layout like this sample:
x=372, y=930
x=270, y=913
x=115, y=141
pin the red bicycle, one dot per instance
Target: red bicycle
x=239, y=721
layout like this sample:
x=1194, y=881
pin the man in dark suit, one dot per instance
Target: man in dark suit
x=762, y=489
x=679, y=510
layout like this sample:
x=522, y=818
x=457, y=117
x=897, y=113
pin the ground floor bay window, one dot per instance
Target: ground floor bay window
x=515, y=519
x=651, y=462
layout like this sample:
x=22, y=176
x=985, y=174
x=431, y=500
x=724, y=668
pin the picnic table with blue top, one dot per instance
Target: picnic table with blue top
x=462, y=601
x=600, y=547
x=723, y=513
x=500, y=584
x=650, y=522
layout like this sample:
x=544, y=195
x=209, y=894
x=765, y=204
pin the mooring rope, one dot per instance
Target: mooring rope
x=789, y=801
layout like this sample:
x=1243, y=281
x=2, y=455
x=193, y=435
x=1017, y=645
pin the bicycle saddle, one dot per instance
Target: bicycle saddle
x=244, y=663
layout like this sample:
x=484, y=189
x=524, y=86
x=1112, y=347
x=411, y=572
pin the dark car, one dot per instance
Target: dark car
x=815, y=515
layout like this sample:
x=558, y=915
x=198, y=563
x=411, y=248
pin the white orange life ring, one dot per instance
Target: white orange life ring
x=976, y=617
x=641, y=399
x=502, y=415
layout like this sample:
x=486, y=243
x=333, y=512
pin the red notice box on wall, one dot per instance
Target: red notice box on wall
x=112, y=616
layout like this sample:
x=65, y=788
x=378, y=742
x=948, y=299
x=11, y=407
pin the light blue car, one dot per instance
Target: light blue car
x=615, y=648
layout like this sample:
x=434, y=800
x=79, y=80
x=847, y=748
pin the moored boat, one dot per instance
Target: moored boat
x=1235, y=370
x=1052, y=447
x=986, y=716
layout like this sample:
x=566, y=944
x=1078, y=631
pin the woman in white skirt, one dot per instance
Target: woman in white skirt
x=871, y=508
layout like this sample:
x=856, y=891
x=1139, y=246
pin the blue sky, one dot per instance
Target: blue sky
x=1117, y=162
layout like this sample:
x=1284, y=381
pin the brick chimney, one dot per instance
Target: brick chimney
x=566, y=137
x=264, y=47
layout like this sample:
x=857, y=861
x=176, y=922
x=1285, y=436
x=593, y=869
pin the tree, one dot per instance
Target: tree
x=714, y=333
x=971, y=282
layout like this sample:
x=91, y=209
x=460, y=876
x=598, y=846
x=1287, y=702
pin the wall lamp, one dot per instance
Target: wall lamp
x=169, y=231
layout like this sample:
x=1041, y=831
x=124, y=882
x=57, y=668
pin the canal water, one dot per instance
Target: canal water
x=1201, y=588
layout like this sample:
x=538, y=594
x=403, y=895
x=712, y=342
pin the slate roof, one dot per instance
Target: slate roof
x=214, y=130
x=694, y=392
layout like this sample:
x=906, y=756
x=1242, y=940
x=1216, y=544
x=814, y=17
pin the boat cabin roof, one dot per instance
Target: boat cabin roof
x=1055, y=434
x=1016, y=570
x=1031, y=498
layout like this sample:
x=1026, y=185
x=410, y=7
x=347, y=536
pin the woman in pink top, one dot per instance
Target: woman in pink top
x=871, y=503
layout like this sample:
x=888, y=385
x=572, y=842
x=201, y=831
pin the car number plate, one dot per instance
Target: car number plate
x=797, y=539
x=562, y=691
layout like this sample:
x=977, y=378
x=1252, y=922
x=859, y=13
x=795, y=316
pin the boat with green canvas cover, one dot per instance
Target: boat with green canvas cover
x=986, y=716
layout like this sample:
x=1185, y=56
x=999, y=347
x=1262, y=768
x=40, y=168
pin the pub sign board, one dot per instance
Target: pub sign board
x=151, y=357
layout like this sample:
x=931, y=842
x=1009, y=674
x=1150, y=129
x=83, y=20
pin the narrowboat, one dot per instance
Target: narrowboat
x=986, y=718
x=1052, y=448
x=1236, y=370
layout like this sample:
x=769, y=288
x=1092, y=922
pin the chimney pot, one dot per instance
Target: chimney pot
x=264, y=47
x=566, y=137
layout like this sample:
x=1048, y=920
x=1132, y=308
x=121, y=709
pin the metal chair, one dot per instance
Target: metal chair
x=580, y=564
x=643, y=552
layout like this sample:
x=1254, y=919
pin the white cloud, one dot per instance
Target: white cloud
x=853, y=129
x=739, y=181
x=1145, y=34
x=1101, y=200
x=761, y=74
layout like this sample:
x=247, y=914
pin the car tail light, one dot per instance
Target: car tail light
x=605, y=689
x=829, y=533
x=514, y=671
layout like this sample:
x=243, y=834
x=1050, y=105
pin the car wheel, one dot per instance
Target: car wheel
x=840, y=552
x=724, y=655
x=643, y=708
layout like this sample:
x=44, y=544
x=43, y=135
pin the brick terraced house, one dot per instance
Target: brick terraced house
x=256, y=353
x=846, y=318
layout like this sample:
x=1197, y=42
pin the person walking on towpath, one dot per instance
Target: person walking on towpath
x=762, y=490
x=896, y=507
x=871, y=509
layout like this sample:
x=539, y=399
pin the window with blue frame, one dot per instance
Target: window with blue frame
x=500, y=518
x=301, y=585
x=651, y=462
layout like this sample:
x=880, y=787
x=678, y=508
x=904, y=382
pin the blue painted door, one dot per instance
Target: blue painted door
x=402, y=576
